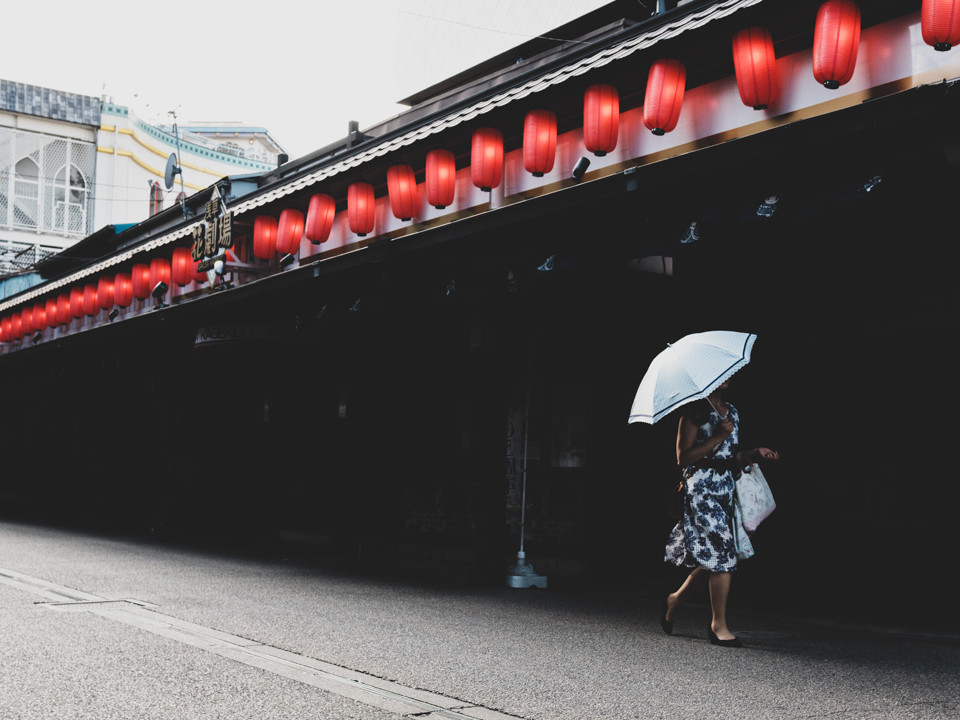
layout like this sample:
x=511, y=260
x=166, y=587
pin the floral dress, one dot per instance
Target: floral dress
x=704, y=536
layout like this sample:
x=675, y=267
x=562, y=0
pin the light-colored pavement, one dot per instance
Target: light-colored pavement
x=100, y=627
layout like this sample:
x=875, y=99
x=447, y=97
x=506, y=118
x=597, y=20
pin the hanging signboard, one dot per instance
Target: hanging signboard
x=213, y=236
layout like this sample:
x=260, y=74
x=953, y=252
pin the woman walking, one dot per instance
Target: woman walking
x=709, y=455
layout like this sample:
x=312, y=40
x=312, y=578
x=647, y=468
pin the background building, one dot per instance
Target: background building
x=132, y=156
x=71, y=164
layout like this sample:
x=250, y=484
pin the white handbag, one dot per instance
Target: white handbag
x=754, y=497
x=741, y=539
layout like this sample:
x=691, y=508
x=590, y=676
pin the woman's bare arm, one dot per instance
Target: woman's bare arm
x=688, y=452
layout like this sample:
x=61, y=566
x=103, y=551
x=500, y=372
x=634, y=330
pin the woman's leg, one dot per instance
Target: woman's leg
x=719, y=590
x=674, y=599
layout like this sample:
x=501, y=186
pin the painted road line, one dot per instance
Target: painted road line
x=355, y=685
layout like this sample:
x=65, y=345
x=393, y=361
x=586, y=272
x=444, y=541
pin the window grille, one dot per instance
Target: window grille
x=46, y=183
x=26, y=193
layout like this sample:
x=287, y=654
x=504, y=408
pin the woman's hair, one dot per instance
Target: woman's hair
x=697, y=412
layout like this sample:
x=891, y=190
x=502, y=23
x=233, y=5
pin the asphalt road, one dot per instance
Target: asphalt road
x=95, y=626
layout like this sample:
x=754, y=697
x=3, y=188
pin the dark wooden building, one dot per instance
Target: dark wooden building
x=375, y=395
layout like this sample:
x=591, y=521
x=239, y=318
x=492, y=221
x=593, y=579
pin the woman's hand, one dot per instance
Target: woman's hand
x=749, y=457
x=724, y=429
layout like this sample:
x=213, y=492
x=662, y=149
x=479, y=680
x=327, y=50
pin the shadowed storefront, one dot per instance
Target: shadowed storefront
x=379, y=403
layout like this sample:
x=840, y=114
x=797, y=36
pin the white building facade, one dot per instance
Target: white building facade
x=132, y=155
x=71, y=164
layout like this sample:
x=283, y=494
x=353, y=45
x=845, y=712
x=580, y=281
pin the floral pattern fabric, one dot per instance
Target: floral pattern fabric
x=704, y=536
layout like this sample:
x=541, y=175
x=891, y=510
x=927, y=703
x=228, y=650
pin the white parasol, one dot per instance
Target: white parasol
x=689, y=369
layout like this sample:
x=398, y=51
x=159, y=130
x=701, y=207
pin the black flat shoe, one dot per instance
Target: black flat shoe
x=714, y=640
x=665, y=625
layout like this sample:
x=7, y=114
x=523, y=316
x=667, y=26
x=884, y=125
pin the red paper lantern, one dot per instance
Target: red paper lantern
x=264, y=237
x=123, y=290
x=290, y=231
x=402, y=191
x=360, y=208
x=666, y=83
x=91, y=304
x=40, y=316
x=16, y=331
x=159, y=272
x=182, y=266
x=441, y=178
x=755, y=65
x=51, y=306
x=64, y=316
x=76, y=302
x=601, y=119
x=320, y=214
x=26, y=321
x=5, y=330
x=836, y=40
x=140, y=281
x=539, y=142
x=940, y=23
x=486, y=158
x=105, y=293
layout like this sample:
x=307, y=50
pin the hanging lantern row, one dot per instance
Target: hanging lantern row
x=107, y=292
x=836, y=42
x=834, y=57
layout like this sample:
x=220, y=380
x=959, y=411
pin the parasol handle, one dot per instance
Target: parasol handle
x=722, y=417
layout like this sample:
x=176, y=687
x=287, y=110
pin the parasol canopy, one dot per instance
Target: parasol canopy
x=689, y=369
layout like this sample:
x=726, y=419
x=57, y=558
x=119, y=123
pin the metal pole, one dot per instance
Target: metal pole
x=183, y=193
x=523, y=575
x=526, y=435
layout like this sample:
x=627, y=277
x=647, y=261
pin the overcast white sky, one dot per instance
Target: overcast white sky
x=300, y=69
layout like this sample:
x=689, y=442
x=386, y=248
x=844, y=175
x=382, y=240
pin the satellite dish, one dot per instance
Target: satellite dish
x=171, y=171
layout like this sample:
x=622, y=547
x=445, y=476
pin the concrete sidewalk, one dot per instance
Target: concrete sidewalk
x=98, y=626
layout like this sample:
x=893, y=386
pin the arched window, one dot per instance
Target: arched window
x=69, y=200
x=26, y=193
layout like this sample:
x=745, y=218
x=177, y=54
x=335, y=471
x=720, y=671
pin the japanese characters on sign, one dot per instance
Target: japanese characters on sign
x=213, y=235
